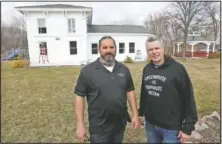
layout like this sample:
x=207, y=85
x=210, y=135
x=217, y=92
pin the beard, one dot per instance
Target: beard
x=108, y=59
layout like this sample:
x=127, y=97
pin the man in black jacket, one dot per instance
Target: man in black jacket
x=167, y=97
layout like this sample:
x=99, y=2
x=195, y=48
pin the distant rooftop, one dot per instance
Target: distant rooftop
x=52, y=6
x=116, y=29
x=198, y=38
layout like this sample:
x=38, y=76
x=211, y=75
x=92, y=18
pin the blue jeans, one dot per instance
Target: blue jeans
x=157, y=134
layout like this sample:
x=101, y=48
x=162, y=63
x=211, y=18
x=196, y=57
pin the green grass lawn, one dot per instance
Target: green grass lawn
x=38, y=103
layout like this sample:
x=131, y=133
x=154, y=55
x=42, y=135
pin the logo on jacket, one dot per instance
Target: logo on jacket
x=153, y=82
x=120, y=74
x=153, y=88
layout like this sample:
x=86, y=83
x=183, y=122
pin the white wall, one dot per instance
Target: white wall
x=57, y=24
x=59, y=51
x=139, y=41
x=57, y=27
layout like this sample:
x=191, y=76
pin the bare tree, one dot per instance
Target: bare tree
x=213, y=12
x=13, y=35
x=163, y=26
x=6, y=42
x=156, y=24
x=18, y=30
x=185, y=14
x=173, y=32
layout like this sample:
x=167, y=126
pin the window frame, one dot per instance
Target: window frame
x=130, y=47
x=73, y=49
x=42, y=28
x=71, y=23
x=94, y=50
x=121, y=48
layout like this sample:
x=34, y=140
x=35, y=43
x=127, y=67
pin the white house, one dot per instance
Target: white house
x=62, y=34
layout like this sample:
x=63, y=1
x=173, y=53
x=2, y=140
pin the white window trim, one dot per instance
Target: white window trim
x=38, y=25
x=72, y=31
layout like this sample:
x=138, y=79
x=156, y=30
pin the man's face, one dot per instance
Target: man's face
x=155, y=51
x=107, y=50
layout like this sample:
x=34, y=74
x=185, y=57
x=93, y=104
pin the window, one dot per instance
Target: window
x=73, y=47
x=94, y=48
x=42, y=26
x=43, y=48
x=131, y=47
x=71, y=25
x=121, y=47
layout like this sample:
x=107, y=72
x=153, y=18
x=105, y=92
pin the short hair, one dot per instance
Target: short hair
x=107, y=37
x=153, y=38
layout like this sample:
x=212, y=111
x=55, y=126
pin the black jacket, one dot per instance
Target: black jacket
x=167, y=97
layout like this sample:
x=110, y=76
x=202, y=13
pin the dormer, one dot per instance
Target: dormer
x=27, y=11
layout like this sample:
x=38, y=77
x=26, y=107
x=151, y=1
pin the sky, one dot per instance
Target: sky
x=103, y=12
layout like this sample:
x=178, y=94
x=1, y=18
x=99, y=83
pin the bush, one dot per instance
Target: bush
x=128, y=60
x=214, y=56
x=20, y=64
x=17, y=57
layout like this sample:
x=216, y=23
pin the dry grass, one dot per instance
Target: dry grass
x=38, y=103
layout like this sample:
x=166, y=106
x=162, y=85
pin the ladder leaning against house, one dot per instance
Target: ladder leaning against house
x=43, y=55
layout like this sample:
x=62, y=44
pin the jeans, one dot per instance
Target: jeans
x=157, y=134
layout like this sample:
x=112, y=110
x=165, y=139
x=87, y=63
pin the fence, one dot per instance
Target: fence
x=200, y=54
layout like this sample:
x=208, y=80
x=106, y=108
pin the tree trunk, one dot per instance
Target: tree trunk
x=184, y=49
x=215, y=35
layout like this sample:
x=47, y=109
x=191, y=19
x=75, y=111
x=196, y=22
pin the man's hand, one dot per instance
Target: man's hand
x=81, y=133
x=141, y=120
x=135, y=122
x=183, y=137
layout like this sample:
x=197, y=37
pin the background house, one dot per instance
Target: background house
x=197, y=46
x=62, y=34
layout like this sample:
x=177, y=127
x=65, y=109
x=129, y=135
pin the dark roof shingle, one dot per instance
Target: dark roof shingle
x=116, y=29
x=52, y=6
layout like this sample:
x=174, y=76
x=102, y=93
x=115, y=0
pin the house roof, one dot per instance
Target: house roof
x=52, y=6
x=116, y=29
x=198, y=38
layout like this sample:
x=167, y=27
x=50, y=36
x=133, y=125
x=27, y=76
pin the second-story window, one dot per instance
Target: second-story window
x=71, y=25
x=42, y=26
